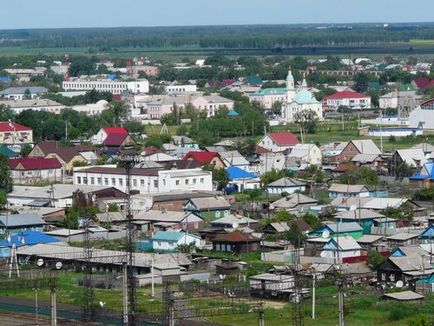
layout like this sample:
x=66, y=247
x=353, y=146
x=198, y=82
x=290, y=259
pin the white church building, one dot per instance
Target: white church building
x=297, y=100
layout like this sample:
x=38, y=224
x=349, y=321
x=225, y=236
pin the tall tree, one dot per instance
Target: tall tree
x=6, y=183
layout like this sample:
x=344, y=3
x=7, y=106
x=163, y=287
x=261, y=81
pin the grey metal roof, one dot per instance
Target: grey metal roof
x=18, y=220
x=404, y=296
x=343, y=188
x=287, y=182
x=359, y=214
x=210, y=203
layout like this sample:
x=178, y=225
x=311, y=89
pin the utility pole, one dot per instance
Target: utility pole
x=261, y=318
x=340, y=284
x=313, y=295
x=53, y=303
x=125, y=293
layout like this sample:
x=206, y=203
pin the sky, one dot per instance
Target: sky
x=111, y=13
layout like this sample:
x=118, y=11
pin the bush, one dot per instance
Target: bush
x=399, y=311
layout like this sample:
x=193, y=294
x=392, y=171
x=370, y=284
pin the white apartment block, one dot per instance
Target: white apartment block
x=106, y=85
x=146, y=180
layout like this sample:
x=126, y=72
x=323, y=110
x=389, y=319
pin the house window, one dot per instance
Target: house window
x=392, y=277
x=164, y=182
x=187, y=181
x=202, y=180
x=383, y=276
x=217, y=247
x=121, y=181
x=85, y=180
x=92, y=180
x=155, y=183
x=177, y=182
x=134, y=182
x=78, y=180
x=99, y=180
x=217, y=214
x=113, y=181
x=106, y=181
x=194, y=181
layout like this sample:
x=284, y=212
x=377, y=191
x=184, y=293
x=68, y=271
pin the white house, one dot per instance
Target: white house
x=310, y=153
x=92, y=108
x=299, y=100
x=170, y=240
x=278, y=141
x=20, y=93
x=286, y=185
x=341, y=247
x=146, y=180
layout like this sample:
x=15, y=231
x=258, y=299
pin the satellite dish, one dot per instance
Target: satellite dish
x=59, y=265
x=9, y=238
x=235, y=225
x=40, y=262
x=399, y=284
x=323, y=254
x=325, y=234
x=102, y=304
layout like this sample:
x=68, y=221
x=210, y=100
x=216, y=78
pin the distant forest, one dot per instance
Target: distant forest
x=229, y=37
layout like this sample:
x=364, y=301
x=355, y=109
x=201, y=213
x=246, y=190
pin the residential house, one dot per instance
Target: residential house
x=356, y=147
x=211, y=104
x=205, y=158
x=309, y=153
x=16, y=223
x=278, y=141
x=403, y=239
x=21, y=93
x=427, y=236
x=425, y=177
x=414, y=158
x=276, y=228
x=14, y=134
x=155, y=220
x=404, y=268
x=169, y=241
x=36, y=169
x=372, y=242
x=114, y=142
x=234, y=159
x=241, y=179
x=235, y=242
x=342, y=190
x=340, y=248
x=67, y=156
x=103, y=133
x=208, y=208
x=350, y=99
x=352, y=229
x=295, y=202
x=173, y=201
x=286, y=185
x=372, y=161
x=396, y=99
x=364, y=217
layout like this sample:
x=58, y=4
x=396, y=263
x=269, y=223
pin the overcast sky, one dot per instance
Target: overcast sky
x=110, y=13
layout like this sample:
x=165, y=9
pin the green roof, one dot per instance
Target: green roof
x=167, y=236
x=374, y=85
x=7, y=152
x=254, y=80
x=305, y=97
x=270, y=91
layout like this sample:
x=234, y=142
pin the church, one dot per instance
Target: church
x=297, y=100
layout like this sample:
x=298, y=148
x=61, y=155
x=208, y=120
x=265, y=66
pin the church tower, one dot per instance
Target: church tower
x=290, y=88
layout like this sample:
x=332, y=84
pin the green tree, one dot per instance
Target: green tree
x=313, y=221
x=6, y=182
x=276, y=108
x=282, y=216
x=374, y=259
x=404, y=170
x=294, y=235
x=112, y=207
x=360, y=82
x=307, y=119
x=220, y=178
x=360, y=175
x=25, y=150
x=3, y=199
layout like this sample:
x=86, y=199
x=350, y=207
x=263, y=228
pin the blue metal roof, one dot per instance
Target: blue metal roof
x=232, y=113
x=428, y=233
x=167, y=236
x=237, y=173
x=28, y=238
x=427, y=172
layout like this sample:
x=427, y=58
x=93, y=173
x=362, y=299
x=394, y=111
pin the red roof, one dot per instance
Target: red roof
x=201, y=157
x=422, y=82
x=343, y=168
x=345, y=94
x=115, y=130
x=35, y=163
x=284, y=138
x=149, y=150
x=6, y=126
x=114, y=139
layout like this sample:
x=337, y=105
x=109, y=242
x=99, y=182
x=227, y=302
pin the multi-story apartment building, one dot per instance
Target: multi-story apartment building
x=107, y=85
